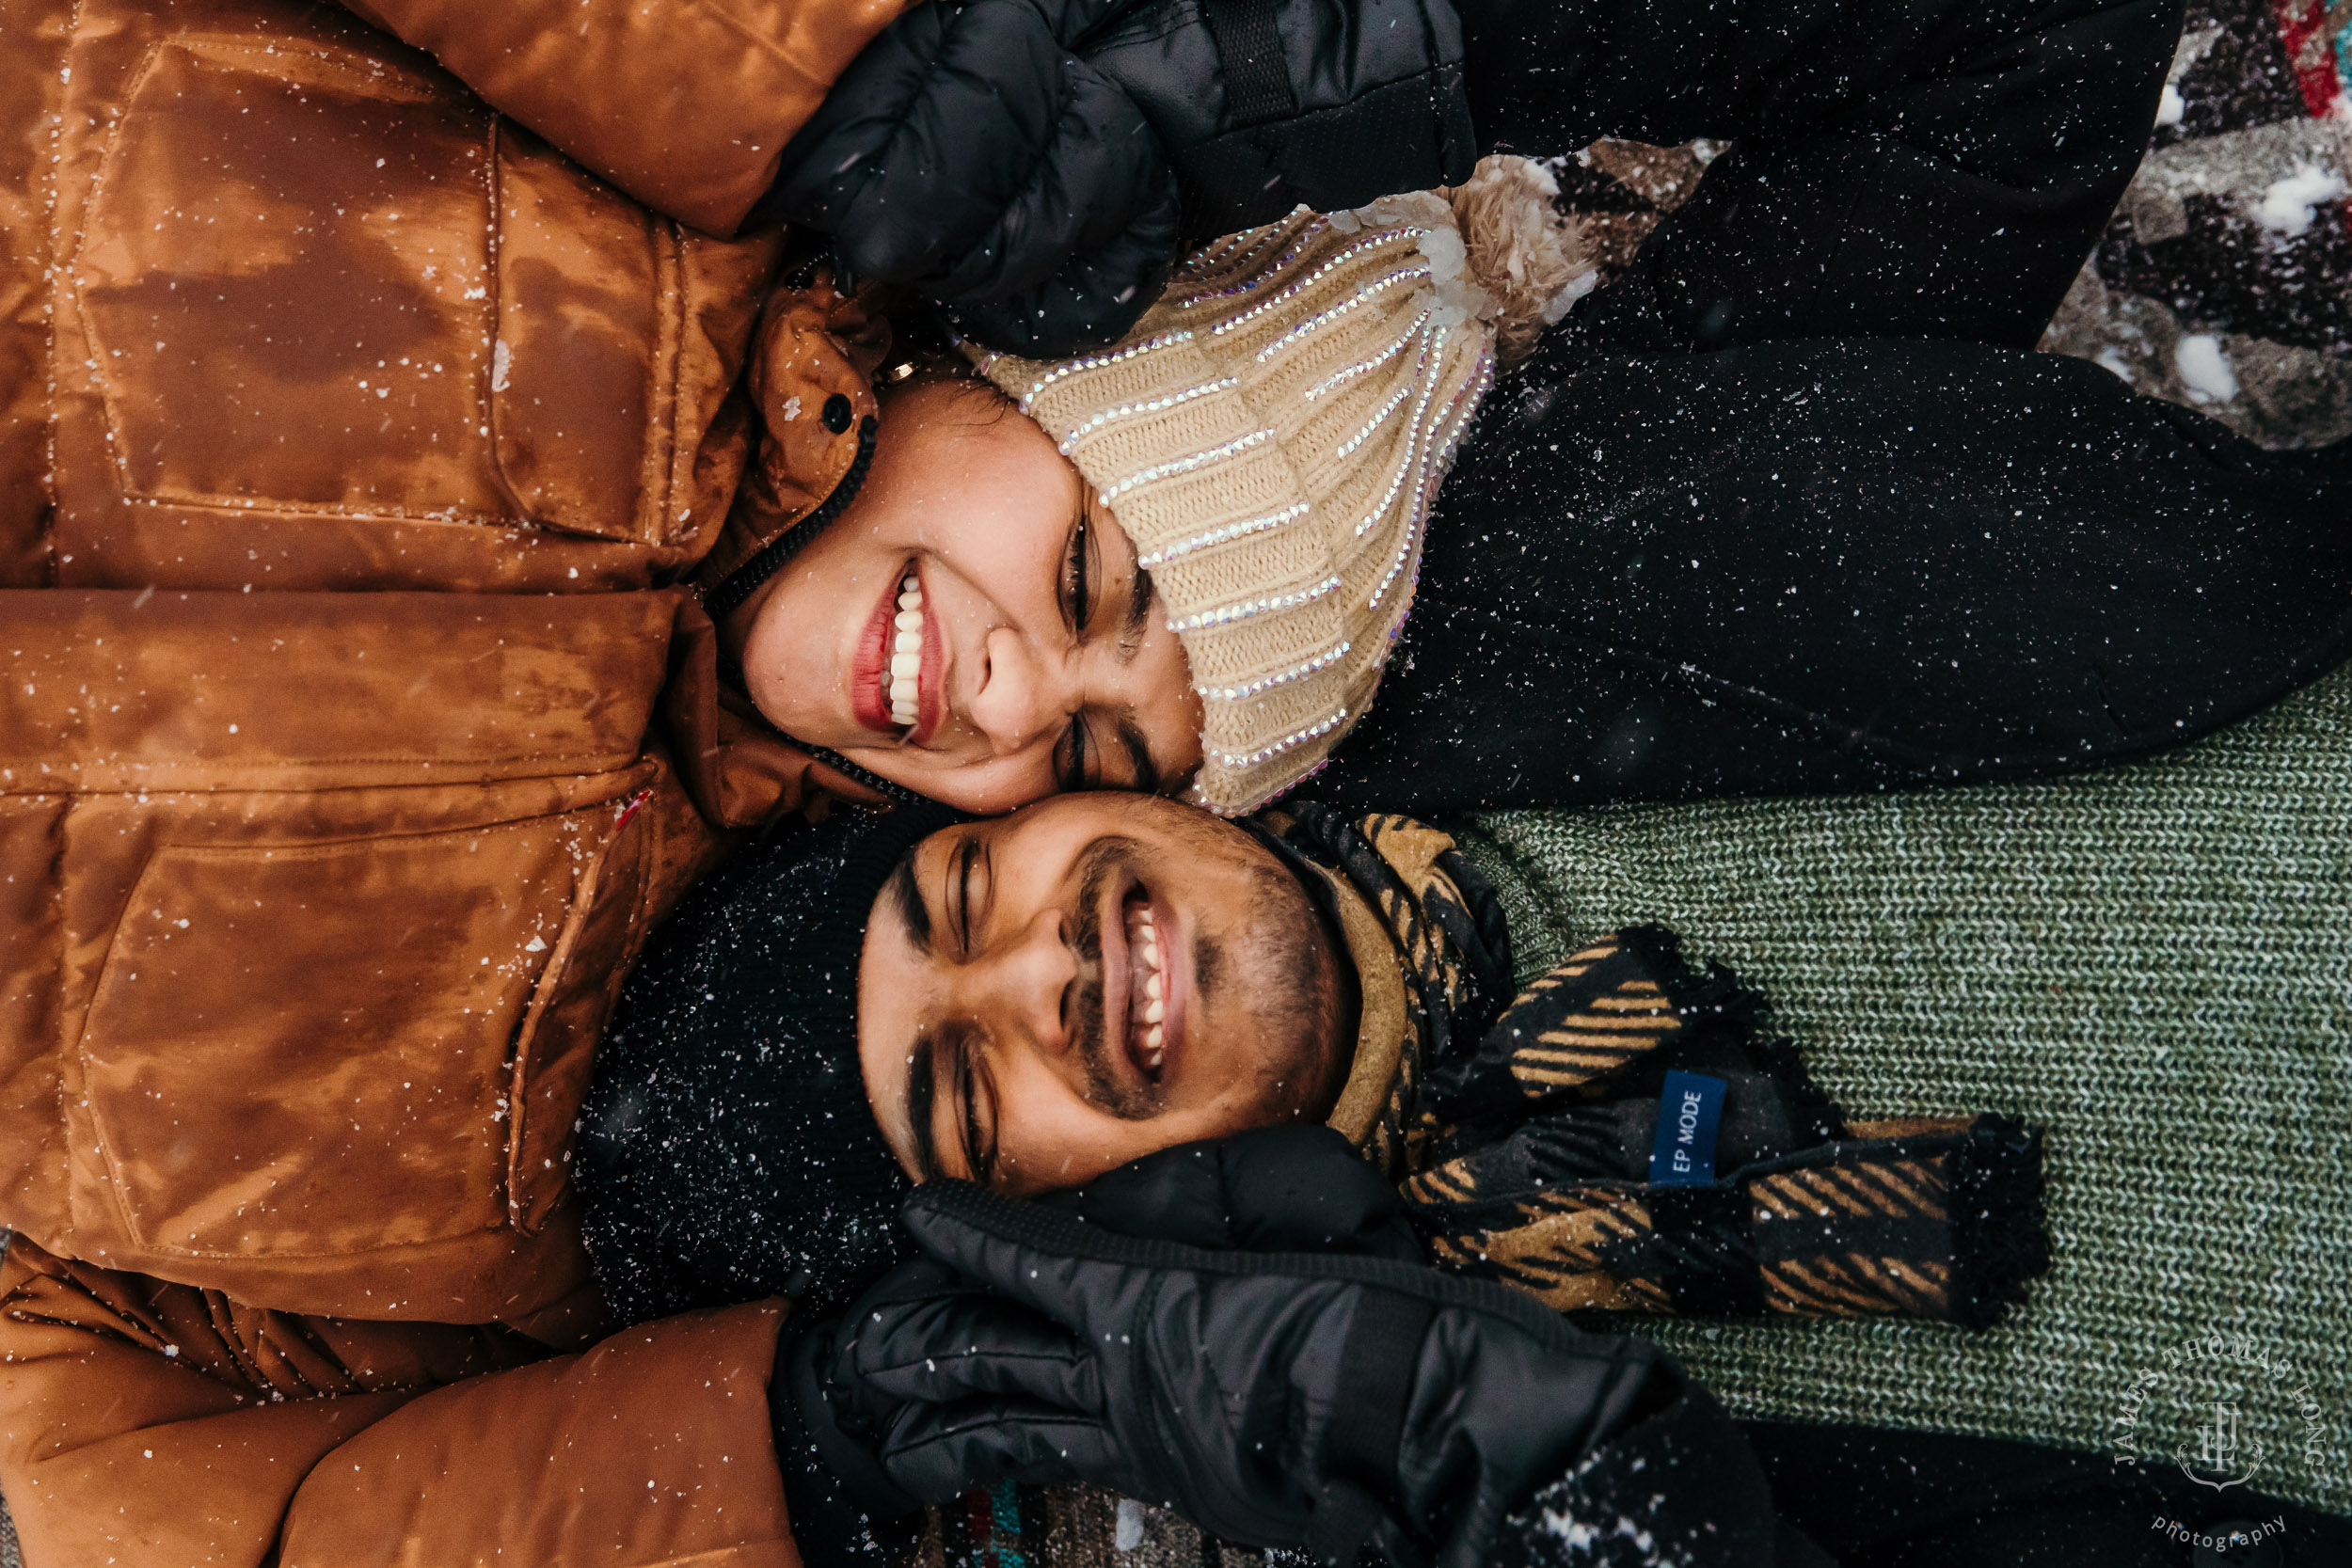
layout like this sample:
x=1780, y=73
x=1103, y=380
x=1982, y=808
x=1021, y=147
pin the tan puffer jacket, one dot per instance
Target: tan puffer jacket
x=148, y=1425
x=354, y=443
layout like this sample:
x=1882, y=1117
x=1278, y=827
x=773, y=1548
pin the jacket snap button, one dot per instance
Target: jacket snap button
x=837, y=413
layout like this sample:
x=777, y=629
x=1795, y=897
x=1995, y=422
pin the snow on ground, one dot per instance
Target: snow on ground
x=2225, y=280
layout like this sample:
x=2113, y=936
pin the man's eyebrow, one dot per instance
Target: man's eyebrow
x=906, y=895
x=922, y=1095
x=922, y=1103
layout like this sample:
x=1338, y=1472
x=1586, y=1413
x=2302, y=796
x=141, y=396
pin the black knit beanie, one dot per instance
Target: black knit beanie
x=726, y=1152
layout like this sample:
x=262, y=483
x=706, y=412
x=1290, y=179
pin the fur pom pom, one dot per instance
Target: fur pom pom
x=1526, y=254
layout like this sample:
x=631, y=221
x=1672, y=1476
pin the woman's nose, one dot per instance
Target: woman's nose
x=1019, y=695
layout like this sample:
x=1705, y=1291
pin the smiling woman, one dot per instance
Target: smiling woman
x=974, y=626
x=1175, y=566
x=1703, y=542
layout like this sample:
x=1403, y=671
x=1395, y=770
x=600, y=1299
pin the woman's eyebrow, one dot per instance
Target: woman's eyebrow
x=1147, y=778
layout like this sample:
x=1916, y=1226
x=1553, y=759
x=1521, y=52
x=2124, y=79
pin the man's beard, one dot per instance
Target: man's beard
x=1287, y=968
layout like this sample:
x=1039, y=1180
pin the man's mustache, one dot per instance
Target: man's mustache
x=1089, y=1029
x=1087, y=1025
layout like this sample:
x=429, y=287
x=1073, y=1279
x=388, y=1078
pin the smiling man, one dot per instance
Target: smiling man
x=1034, y=1002
x=1028, y=1002
x=1046, y=996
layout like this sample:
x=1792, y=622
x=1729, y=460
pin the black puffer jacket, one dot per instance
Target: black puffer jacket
x=1037, y=165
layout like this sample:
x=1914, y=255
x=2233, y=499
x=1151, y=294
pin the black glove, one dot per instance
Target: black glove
x=1020, y=160
x=1264, y=104
x=968, y=154
x=1313, y=1400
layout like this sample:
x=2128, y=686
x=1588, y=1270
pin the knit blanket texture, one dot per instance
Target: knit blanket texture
x=2153, y=963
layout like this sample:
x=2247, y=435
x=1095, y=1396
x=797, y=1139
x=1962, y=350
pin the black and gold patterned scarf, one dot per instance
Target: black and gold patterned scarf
x=1522, y=1136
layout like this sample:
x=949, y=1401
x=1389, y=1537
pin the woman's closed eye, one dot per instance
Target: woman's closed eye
x=1078, y=760
x=1081, y=755
x=1073, y=758
x=1080, y=571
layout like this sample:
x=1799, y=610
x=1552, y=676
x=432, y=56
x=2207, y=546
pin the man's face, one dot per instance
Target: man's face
x=1049, y=995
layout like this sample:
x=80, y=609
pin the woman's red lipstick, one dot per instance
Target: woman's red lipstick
x=869, y=675
x=932, y=679
x=869, y=679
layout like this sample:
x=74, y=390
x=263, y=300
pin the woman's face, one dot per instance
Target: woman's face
x=974, y=626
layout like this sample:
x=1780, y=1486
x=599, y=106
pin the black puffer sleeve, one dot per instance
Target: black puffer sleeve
x=1264, y=104
x=1034, y=165
x=967, y=152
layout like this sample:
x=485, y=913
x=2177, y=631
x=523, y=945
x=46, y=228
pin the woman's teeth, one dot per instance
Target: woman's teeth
x=906, y=653
x=1145, y=939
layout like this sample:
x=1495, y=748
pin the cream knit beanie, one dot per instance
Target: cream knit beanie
x=1272, y=432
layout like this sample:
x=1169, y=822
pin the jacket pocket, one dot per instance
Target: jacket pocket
x=313, y=1050
x=318, y=282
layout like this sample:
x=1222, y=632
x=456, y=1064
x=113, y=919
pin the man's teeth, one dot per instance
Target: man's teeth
x=1147, y=942
x=906, y=653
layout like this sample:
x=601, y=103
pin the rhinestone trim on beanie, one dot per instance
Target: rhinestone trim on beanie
x=1271, y=437
x=1234, y=694
x=1227, y=614
x=1218, y=535
x=1149, y=406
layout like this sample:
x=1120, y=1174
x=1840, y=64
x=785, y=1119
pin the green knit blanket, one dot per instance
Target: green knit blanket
x=2153, y=963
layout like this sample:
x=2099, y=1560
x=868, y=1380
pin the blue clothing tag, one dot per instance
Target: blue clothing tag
x=1683, y=1152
